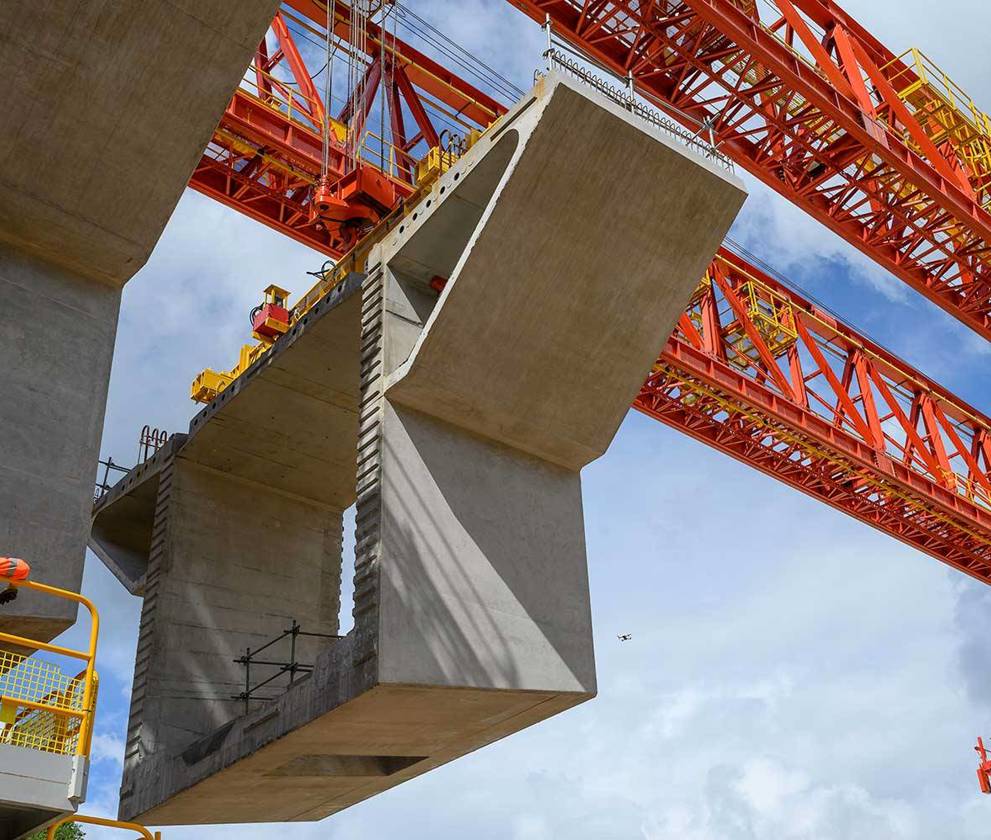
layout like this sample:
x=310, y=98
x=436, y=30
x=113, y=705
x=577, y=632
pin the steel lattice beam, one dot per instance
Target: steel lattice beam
x=265, y=157
x=806, y=100
x=765, y=376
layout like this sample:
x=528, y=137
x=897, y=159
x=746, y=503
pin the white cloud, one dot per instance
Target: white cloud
x=108, y=748
x=765, y=785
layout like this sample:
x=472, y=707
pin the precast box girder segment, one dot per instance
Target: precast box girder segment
x=458, y=427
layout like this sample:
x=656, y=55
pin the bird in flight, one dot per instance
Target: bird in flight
x=625, y=637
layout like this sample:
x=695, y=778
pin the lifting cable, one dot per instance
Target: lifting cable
x=460, y=56
x=328, y=96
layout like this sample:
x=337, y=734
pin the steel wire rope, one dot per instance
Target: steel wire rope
x=330, y=48
x=470, y=61
x=306, y=35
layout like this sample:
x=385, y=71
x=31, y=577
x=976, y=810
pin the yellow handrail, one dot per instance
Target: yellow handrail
x=85, y=713
x=82, y=818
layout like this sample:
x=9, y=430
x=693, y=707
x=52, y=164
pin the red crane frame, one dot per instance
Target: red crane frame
x=814, y=116
x=265, y=157
x=758, y=372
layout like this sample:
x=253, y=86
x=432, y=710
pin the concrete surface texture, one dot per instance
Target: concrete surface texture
x=474, y=412
x=56, y=343
x=244, y=562
x=107, y=108
x=562, y=310
x=37, y=788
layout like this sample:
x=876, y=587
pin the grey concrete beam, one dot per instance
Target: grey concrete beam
x=107, y=109
x=613, y=231
x=56, y=343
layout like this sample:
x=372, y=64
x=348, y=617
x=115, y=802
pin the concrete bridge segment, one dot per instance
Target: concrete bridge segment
x=571, y=237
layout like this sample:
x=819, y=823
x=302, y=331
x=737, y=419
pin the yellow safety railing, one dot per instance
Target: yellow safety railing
x=282, y=98
x=140, y=830
x=42, y=707
x=299, y=108
x=771, y=313
x=945, y=112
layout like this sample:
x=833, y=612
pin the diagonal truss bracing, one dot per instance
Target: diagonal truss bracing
x=758, y=372
x=885, y=150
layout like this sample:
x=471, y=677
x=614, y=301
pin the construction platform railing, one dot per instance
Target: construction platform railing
x=137, y=828
x=41, y=706
x=566, y=59
x=111, y=469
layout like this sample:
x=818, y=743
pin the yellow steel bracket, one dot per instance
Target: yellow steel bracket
x=209, y=383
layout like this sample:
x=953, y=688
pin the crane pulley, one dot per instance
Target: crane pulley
x=350, y=202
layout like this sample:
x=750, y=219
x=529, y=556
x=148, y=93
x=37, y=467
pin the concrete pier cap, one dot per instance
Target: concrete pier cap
x=569, y=238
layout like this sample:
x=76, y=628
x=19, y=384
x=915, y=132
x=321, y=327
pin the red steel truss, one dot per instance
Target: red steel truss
x=752, y=368
x=765, y=376
x=883, y=150
x=266, y=154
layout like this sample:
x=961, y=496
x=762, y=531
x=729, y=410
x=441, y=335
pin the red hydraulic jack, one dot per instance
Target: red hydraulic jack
x=353, y=203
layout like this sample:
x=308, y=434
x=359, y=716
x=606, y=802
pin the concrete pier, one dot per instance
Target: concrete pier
x=106, y=110
x=569, y=239
x=56, y=342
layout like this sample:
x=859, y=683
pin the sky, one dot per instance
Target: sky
x=791, y=674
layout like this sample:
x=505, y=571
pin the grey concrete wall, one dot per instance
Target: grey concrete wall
x=56, y=343
x=483, y=578
x=107, y=109
x=232, y=564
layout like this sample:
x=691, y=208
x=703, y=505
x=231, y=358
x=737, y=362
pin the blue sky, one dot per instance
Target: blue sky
x=792, y=673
